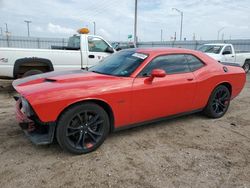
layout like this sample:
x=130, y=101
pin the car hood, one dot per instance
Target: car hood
x=59, y=81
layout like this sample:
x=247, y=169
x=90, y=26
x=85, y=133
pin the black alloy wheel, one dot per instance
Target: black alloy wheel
x=218, y=102
x=83, y=128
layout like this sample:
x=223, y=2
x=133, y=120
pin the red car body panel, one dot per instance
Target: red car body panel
x=132, y=99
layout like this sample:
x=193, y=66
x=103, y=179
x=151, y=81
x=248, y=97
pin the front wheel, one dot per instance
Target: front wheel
x=82, y=128
x=218, y=102
x=246, y=66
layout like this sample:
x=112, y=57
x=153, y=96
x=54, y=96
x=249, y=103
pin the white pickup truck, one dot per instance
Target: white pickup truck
x=226, y=53
x=82, y=51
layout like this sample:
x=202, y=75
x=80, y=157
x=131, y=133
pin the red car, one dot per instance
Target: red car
x=131, y=87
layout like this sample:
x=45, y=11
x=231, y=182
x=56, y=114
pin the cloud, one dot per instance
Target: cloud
x=39, y=29
x=53, y=28
x=114, y=18
x=104, y=33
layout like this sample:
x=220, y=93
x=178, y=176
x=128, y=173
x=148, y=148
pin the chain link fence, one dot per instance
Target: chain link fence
x=46, y=43
x=31, y=42
x=239, y=45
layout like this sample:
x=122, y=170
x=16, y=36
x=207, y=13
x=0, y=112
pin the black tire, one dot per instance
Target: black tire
x=82, y=128
x=246, y=66
x=218, y=102
x=32, y=72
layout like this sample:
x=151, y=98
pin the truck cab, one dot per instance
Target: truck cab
x=83, y=50
x=221, y=52
x=226, y=53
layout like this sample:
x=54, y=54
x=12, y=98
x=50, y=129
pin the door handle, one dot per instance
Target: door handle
x=190, y=79
x=91, y=56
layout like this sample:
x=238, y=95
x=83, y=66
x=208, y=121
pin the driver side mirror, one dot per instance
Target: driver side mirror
x=226, y=52
x=156, y=73
x=109, y=50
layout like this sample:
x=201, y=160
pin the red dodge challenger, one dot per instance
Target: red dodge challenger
x=132, y=87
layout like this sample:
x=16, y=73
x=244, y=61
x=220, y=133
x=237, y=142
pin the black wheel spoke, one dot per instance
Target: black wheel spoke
x=220, y=109
x=224, y=96
x=96, y=123
x=216, y=108
x=72, y=133
x=74, y=128
x=94, y=132
x=92, y=137
x=93, y=120
x=79, y=139
x=80, y=118
x=83, y=139
x=221, y=104
x=86, y=116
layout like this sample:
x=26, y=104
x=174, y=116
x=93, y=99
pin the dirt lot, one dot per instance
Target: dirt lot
x=191, y=151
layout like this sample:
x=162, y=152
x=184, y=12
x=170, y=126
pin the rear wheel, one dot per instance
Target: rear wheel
x=32, y=72
x=218, y=102
x=82, y=128
x=246, y=66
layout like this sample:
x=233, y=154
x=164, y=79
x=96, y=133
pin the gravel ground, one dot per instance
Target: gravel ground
x=191, y=151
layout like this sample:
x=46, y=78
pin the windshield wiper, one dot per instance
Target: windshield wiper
x=97, y=72
x=101, y=73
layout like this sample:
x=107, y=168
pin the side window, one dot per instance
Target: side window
x=228, y=49
x=194, y=63
x=96, y=44
x=172, y=64
x=74, y=42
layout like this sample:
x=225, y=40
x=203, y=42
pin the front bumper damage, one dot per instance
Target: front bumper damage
x=38, y=132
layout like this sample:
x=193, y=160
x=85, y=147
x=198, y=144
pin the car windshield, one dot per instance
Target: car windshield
x=122, y=63
x=215, y=49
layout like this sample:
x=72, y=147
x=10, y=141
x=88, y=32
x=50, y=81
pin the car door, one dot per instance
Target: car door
x=172, y=94
x=228, y=54
x=97, y=50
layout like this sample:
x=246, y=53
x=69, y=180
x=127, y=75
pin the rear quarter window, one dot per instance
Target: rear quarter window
x=194, y=63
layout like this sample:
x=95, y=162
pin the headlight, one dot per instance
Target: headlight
x=26, y=107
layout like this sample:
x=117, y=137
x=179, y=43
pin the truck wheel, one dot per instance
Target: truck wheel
x=31, y=72
x=246, y=66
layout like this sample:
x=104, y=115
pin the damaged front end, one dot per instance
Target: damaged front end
x=38, y=132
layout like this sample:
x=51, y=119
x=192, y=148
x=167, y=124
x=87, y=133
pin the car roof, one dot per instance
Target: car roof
x=164, y=50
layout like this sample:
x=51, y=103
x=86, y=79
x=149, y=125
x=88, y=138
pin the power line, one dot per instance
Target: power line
x=105, y=6
x=98, y=9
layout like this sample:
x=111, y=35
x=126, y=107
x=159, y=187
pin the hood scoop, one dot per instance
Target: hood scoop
x=49, y=80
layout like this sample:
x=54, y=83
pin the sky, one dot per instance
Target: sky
x=115, y=18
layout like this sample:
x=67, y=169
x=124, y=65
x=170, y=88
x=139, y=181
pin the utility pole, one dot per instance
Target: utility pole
x=94, y=28
x=28, y=26
x=181, y=13
x=6, y=26
x=1, y=31
x=135, y=25
x=194, y=37
x=218, y=34
x=161, y=35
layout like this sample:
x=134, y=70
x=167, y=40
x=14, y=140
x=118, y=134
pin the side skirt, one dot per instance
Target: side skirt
x=155, y=120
